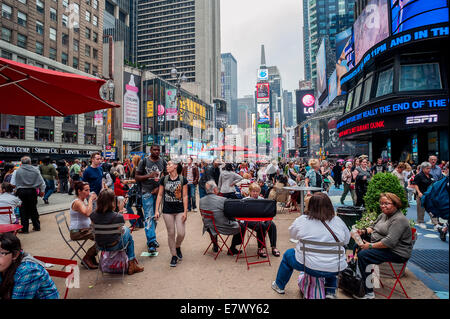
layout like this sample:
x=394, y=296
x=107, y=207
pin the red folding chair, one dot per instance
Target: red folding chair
x=68, y=275
x=7, y=210
x=396, y=276
x=206, y=214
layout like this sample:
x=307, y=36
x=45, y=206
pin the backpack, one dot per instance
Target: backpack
x=435, y=199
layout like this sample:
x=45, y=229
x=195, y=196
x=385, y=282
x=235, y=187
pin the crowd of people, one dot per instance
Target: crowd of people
x=153, y=187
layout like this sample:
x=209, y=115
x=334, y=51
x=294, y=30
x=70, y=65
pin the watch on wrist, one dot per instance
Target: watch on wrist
x=370, y=246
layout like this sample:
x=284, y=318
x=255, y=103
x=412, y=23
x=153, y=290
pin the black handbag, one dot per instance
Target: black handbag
x=350, y=279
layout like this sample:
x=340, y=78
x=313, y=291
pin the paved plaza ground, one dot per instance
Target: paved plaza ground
x=198, y=276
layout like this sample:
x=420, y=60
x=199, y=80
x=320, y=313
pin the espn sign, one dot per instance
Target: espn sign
x=430, y=118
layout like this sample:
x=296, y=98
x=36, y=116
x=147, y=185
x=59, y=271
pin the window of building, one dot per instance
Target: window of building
x=14, y=132
x=95, y=53
x=76, y=45
x=88, y=33
x=6, y=34
x=367, y=88
x=87, y=67
x=95, y=37
x=6, y=11
x=65, y=20
x=385, y=82
x=88, y=16
x=65, y=39
x=6, y=55
x=40, y=6
x=64, y=58
x=94, y=70
x=65, y=3
x=95, y=4
x=357, y=95
x=39, y=48
x=87, y=50
x=416, y=77
x=39, y=28
x=122, y=16
x=52, y=53
x=75, y=62
x=21, y=19
x=95, y=20
x=348, y=105
x=90, y=139
x=53, y=14
x=21, y=59
x=109, y=7
x=88, y=2
x=76, y=12
x=52, y=34
x=21, y=40
x=69, y=137
x=23, y=1
x=43, y=134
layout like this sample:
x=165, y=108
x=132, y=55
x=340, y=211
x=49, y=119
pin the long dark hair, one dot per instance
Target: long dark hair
x=320, y=207
x=79, y=186
x=105, y=201
x=11, y=243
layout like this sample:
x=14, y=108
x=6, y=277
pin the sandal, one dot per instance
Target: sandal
x=262, y=253
x=275, y=252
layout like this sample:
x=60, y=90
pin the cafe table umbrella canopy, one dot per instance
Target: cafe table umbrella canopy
x=33, y=91
x=233, y=148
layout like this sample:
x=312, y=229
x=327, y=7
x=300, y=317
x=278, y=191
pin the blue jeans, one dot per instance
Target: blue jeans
x=148, y=204
x=49, y=188
x=191, y=196
x=289, y=263
x=124, y=239
x=201, y=192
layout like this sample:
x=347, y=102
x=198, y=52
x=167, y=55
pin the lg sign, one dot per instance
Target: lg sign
x=305, y=101
x=308, y=101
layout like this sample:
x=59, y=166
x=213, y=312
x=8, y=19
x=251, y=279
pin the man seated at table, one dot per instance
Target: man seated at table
x=214, y=203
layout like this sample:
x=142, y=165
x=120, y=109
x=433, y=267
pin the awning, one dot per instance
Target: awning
x=34, y=91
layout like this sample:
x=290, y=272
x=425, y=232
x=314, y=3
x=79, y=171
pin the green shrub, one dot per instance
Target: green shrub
x=384, y=183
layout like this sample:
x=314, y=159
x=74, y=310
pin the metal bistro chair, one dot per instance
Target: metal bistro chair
x=7, y=210
x=340, y=251
x=109, y=229
x=60, y=218
x=206, y=214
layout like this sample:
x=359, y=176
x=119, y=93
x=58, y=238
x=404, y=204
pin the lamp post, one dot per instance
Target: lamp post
x=109, y=97
x=179, y=78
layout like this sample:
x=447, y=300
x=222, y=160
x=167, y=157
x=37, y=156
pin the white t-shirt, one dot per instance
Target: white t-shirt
x=7, y=199
x=314, y=230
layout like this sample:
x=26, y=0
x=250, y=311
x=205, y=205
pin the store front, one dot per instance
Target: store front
x=15, y=153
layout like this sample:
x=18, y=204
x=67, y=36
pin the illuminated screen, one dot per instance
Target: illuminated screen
x=262, y=90
x=321, y=69
x=332, y=87
x=409, y=14
x=371, y=27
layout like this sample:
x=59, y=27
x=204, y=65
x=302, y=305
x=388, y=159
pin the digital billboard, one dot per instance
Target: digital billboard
x=262, y=92
x=131, y=102
x=409, y=14
x=371, y=27
x=305, y=104
x=263, y=75
x=321, y=69
x=263, y=113
x=345, y=56
x=332, y=87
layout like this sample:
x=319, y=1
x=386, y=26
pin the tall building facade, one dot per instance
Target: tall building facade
x=246, y=107
x=229, y=89
x=323, y=19
x=61, y=36
x=184, y=34
x=119, y=20
x=289, y=109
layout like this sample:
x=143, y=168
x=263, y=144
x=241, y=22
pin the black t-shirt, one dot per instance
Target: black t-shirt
x=63, y=172
x=147, y=166
x=173, y=195
x=318, y=180
x=423, y=182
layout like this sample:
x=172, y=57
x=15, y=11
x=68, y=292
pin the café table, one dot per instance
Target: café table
x=6, y=228
x=302, y=190
x=131, y=217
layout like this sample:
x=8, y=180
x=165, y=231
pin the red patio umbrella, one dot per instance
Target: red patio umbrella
x=34, y=91
x=233, y=148
x=252, y=155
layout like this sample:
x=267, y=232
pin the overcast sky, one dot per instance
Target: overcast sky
x=247, y=24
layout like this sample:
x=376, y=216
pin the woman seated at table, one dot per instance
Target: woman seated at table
x=105, y=215
x=278, y=193
x=267, y=227
x=311, y=226
x=244, y=183
x=389, y=239
x=8, y=199
x=21, y=275
x=80, y=223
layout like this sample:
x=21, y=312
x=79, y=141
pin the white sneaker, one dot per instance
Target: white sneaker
x=422, y=225
x=330, y=296
x=277, y=289
x=370, y=295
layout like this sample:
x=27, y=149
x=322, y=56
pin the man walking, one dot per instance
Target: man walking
x=74, y=174
x=190, y=172
x=94, y=174
x=27, y=179
x=49, y=175
x=148, y=174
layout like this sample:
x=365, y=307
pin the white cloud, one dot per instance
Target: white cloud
x=247, y=24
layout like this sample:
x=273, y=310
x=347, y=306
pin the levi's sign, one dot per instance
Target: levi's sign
x=398, y=107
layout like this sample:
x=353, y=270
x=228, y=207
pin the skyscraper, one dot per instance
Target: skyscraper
x=323, y=19
x=184, y=34
x=230, y=86
x=288, y=109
